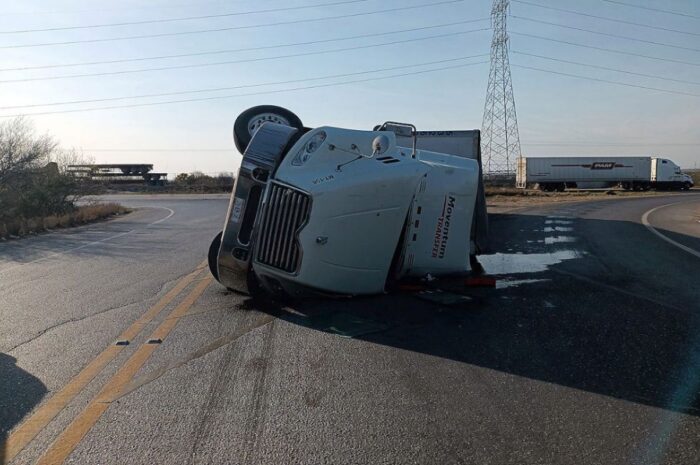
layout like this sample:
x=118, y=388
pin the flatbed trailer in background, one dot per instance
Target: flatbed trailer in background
x=633, y=173
x=125, y=173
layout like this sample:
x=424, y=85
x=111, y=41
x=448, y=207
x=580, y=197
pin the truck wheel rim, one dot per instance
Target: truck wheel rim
x=258, y=120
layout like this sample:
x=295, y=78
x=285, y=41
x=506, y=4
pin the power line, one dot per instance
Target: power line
x=244, y=60
x=185, y=18
x=542, y=144
x=232, y=28
x=605, y=18
x=159, y=150
x=221, y=97
x=607, y=68
x=608, y=81
x=613, y=144
x=197, y=4
x=677, y=13
x=247, y=49
x=617, y=36
x=245, y=86
x=671, y=60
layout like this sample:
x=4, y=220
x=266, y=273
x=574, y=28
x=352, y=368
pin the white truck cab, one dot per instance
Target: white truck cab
x=666, y=174
x=342, y=211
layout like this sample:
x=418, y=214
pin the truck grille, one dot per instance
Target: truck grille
x=285, y=213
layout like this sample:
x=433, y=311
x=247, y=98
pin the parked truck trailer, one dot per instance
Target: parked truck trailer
x=634, y=173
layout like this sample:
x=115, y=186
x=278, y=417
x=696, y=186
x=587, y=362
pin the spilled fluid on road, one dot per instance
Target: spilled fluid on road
x=549, y=229
x=514, y=263
x=505, y=283
x=559, y=239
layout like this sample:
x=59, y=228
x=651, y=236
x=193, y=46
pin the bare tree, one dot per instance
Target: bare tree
x=22, y=149
x=67, y=157
x=33, y=180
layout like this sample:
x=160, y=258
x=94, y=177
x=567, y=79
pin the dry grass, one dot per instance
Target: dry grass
x=695, y=174
x=508, y=198
x=492, y=191
x=81, y=215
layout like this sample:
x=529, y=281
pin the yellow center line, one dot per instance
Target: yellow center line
x=83, y=423
x=28, y=430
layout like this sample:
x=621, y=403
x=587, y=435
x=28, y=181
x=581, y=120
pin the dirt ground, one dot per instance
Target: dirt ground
x=509, y=198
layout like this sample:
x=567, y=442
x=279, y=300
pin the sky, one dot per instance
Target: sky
x=433, y=74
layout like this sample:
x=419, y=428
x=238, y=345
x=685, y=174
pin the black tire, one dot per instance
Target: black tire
x=248, y=122
x=214, y=255
x=686, y=186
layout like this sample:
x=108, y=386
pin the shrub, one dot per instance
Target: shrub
x=203, y=182
x=80, y=215
x=33, y=181
x=50, y=222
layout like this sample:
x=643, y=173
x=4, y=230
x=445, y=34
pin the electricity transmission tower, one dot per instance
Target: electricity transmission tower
x=500, y=139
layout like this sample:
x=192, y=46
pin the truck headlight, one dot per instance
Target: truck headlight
x=310, y=147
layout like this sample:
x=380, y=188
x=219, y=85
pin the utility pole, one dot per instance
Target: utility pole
x=500, y=140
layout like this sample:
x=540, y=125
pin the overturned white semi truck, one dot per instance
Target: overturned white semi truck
x=347, y=212
x=634, y=173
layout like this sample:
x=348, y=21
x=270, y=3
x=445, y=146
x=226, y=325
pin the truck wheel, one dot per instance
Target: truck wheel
x=686, y=186
x=214, y=254
x=250, y=120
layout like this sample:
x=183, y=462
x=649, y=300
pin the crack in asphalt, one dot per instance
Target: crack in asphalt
x=86, y=317
x=73, y=320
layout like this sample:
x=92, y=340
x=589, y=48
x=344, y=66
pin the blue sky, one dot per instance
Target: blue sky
x=558, y=115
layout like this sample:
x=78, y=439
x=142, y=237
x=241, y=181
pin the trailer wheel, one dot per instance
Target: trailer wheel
x=250, y=120
x=213, y=255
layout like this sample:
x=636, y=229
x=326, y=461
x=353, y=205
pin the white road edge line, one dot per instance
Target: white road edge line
x=62, y=252
x=645, y=222
x=172, y=212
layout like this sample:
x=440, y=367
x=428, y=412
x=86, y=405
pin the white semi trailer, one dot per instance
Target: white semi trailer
x=634, y=173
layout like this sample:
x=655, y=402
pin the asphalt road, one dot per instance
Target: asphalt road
x=587, y=352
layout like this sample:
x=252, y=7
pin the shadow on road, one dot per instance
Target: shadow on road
x=19, y=393
x=135, y=238
x=610, y=321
